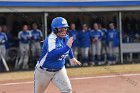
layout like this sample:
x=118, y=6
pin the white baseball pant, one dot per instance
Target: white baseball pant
x=42, y=78
x=36, y=49
x=24, y=56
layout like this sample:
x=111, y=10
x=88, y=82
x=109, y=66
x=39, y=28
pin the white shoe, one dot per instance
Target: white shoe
x=110, y=62
x=92, y=64
x=25, y=67
x=114, y=62
x=85, y=64
x=100, y=63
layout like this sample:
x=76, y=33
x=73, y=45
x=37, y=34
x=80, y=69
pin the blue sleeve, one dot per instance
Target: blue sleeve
x=110, y=38
x=41, y=35
x=20, y=36
x=6, y=38
x=91, y=34
x=58, y=52
x=71, y=54
x=101, y=35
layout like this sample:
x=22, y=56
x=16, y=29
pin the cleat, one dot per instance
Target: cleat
x=85, y=64
x=92, y=64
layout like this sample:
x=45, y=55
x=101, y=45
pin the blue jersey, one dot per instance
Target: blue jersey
x=36, y=34
x=10, y=41
x=3, y=38
x=54, y=52
x=84, y=38
x=24, y=36
x=104, y=31
x=75, y=34
x=113, y=36
x=96, y=34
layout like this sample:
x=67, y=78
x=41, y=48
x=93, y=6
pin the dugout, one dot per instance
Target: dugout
x=125, y=13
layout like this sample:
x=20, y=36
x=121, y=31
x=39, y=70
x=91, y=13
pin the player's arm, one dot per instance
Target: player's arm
x=41, y=35
x=72, y=59
x=5, y=38
x=101, y=35
x=19, y=35
x=58, y=52
x=93, y=39
x=29, y=35
x=71, y=55
x=110, y=36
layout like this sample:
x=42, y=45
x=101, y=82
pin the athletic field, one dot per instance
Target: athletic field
x=99, y=79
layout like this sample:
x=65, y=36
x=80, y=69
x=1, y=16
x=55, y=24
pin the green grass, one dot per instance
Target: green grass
x=73, y=72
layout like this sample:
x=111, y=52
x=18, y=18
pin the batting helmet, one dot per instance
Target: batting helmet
x=58, y=22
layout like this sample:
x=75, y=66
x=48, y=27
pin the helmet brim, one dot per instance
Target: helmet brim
x=66, y=26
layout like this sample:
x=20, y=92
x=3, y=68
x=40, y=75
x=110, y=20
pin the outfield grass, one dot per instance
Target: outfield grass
x=72, y=72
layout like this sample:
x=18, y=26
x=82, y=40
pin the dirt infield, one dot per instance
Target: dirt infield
x=74, y=72
x=125, y=83
x=103, y=79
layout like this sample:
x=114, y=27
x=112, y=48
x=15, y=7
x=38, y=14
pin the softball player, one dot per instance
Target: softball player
x=3, y=39
x=8, y=34
x=96, y=35
x=35, y=44
x=24, y=40
x=112, y=44
x=50, y=66
x=73, y=32
x=103, y=45
x=84, y=43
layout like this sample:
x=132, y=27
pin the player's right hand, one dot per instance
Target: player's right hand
x=70, y=41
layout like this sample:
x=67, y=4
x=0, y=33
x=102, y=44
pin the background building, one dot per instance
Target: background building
x=124, y=13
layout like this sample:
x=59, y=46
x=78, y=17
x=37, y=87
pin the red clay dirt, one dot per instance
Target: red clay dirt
x=129, y=84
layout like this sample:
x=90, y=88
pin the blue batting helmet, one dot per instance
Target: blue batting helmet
x=58, y=22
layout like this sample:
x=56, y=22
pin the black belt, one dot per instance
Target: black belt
x=50, y=70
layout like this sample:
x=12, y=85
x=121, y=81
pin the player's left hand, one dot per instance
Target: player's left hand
x=75, y=61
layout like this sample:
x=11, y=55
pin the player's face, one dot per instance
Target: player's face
x=72, y=26
x=95, y=26
x=25, y=28
x=62, y=32
x=85, y=27
x=111, y=26
x=34, y=26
